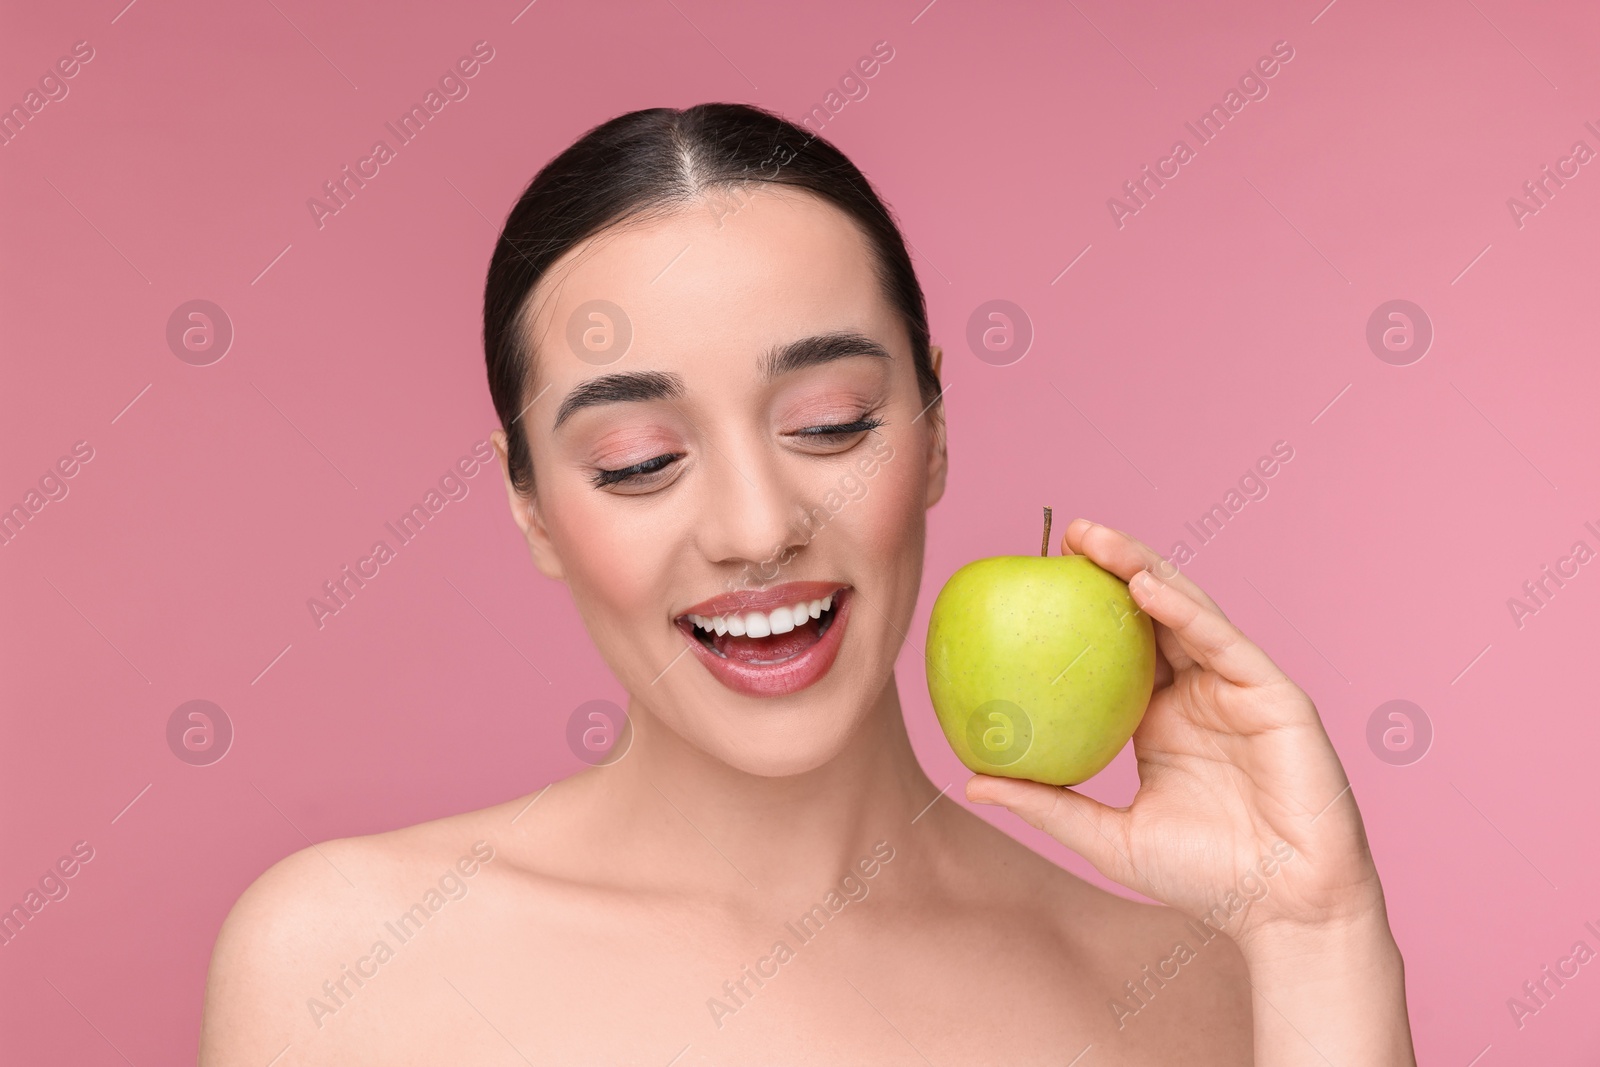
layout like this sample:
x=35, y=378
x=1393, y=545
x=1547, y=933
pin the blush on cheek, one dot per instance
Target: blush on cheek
x=889, y=516
x=619, y=576
x=608, y=560
x=886, y=531
x=622, y=561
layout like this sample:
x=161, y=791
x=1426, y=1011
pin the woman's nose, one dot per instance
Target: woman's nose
x=752, y=516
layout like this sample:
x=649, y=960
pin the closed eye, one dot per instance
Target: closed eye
x=844, y=429
x=603, y=478
x=834, y=438
x=638, y=476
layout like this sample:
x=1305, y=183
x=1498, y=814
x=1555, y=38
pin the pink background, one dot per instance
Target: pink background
x=1226, y=315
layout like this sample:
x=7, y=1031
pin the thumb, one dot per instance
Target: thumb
x=1095, y=831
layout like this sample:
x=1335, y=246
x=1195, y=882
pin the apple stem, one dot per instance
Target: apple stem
x=1044, y=543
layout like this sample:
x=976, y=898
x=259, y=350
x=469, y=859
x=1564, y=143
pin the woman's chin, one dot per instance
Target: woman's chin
x=779, y=752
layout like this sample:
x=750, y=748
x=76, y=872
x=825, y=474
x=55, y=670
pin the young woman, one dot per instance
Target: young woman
x=698, y=324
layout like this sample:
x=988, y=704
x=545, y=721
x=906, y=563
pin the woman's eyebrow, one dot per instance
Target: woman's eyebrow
x=821, y=348
x=665, y=385
x=614, y=388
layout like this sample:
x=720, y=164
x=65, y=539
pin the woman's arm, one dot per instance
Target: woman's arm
x=1334, y=994
x=1244, y=818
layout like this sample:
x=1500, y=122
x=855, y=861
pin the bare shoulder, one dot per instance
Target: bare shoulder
x=293, y=948
x=1155, y=979
x=1170, y=980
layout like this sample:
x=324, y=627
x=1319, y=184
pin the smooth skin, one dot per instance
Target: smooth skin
x=623, y=903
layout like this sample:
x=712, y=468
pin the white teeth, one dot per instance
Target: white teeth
x=761, y=624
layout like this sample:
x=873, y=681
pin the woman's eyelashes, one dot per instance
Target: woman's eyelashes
x=867, y=421
x=825, y=439
x=839, y=433
x=635, y=474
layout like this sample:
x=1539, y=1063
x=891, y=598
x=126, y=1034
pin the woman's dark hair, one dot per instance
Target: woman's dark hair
x=656, y=160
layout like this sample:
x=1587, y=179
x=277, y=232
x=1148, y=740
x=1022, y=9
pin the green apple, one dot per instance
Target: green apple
x=1039, y=667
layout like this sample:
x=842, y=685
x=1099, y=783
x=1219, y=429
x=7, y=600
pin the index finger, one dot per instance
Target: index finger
x=1205, y=633
x=1125, y=556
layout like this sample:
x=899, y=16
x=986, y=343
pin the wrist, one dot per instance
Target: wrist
x=1364, y=938
x=1331, y=991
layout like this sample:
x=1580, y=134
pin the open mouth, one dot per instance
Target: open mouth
x=766, y=638
x=770, y=643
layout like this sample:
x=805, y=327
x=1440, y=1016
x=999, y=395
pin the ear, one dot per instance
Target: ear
x=938, y=446
x=525, y=512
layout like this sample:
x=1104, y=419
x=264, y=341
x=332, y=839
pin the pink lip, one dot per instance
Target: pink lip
x=764, y=599
x=791, y=675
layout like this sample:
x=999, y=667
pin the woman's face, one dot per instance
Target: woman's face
x=759, y=446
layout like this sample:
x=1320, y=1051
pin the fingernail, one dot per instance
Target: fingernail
x=1144, y=582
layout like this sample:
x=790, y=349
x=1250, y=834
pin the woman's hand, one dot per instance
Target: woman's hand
x=1233, y=762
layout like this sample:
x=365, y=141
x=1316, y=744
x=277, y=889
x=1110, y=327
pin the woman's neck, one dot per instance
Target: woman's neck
x=705, y=824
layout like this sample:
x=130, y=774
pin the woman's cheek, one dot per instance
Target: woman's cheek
x=891, y=504
x=611, y=558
